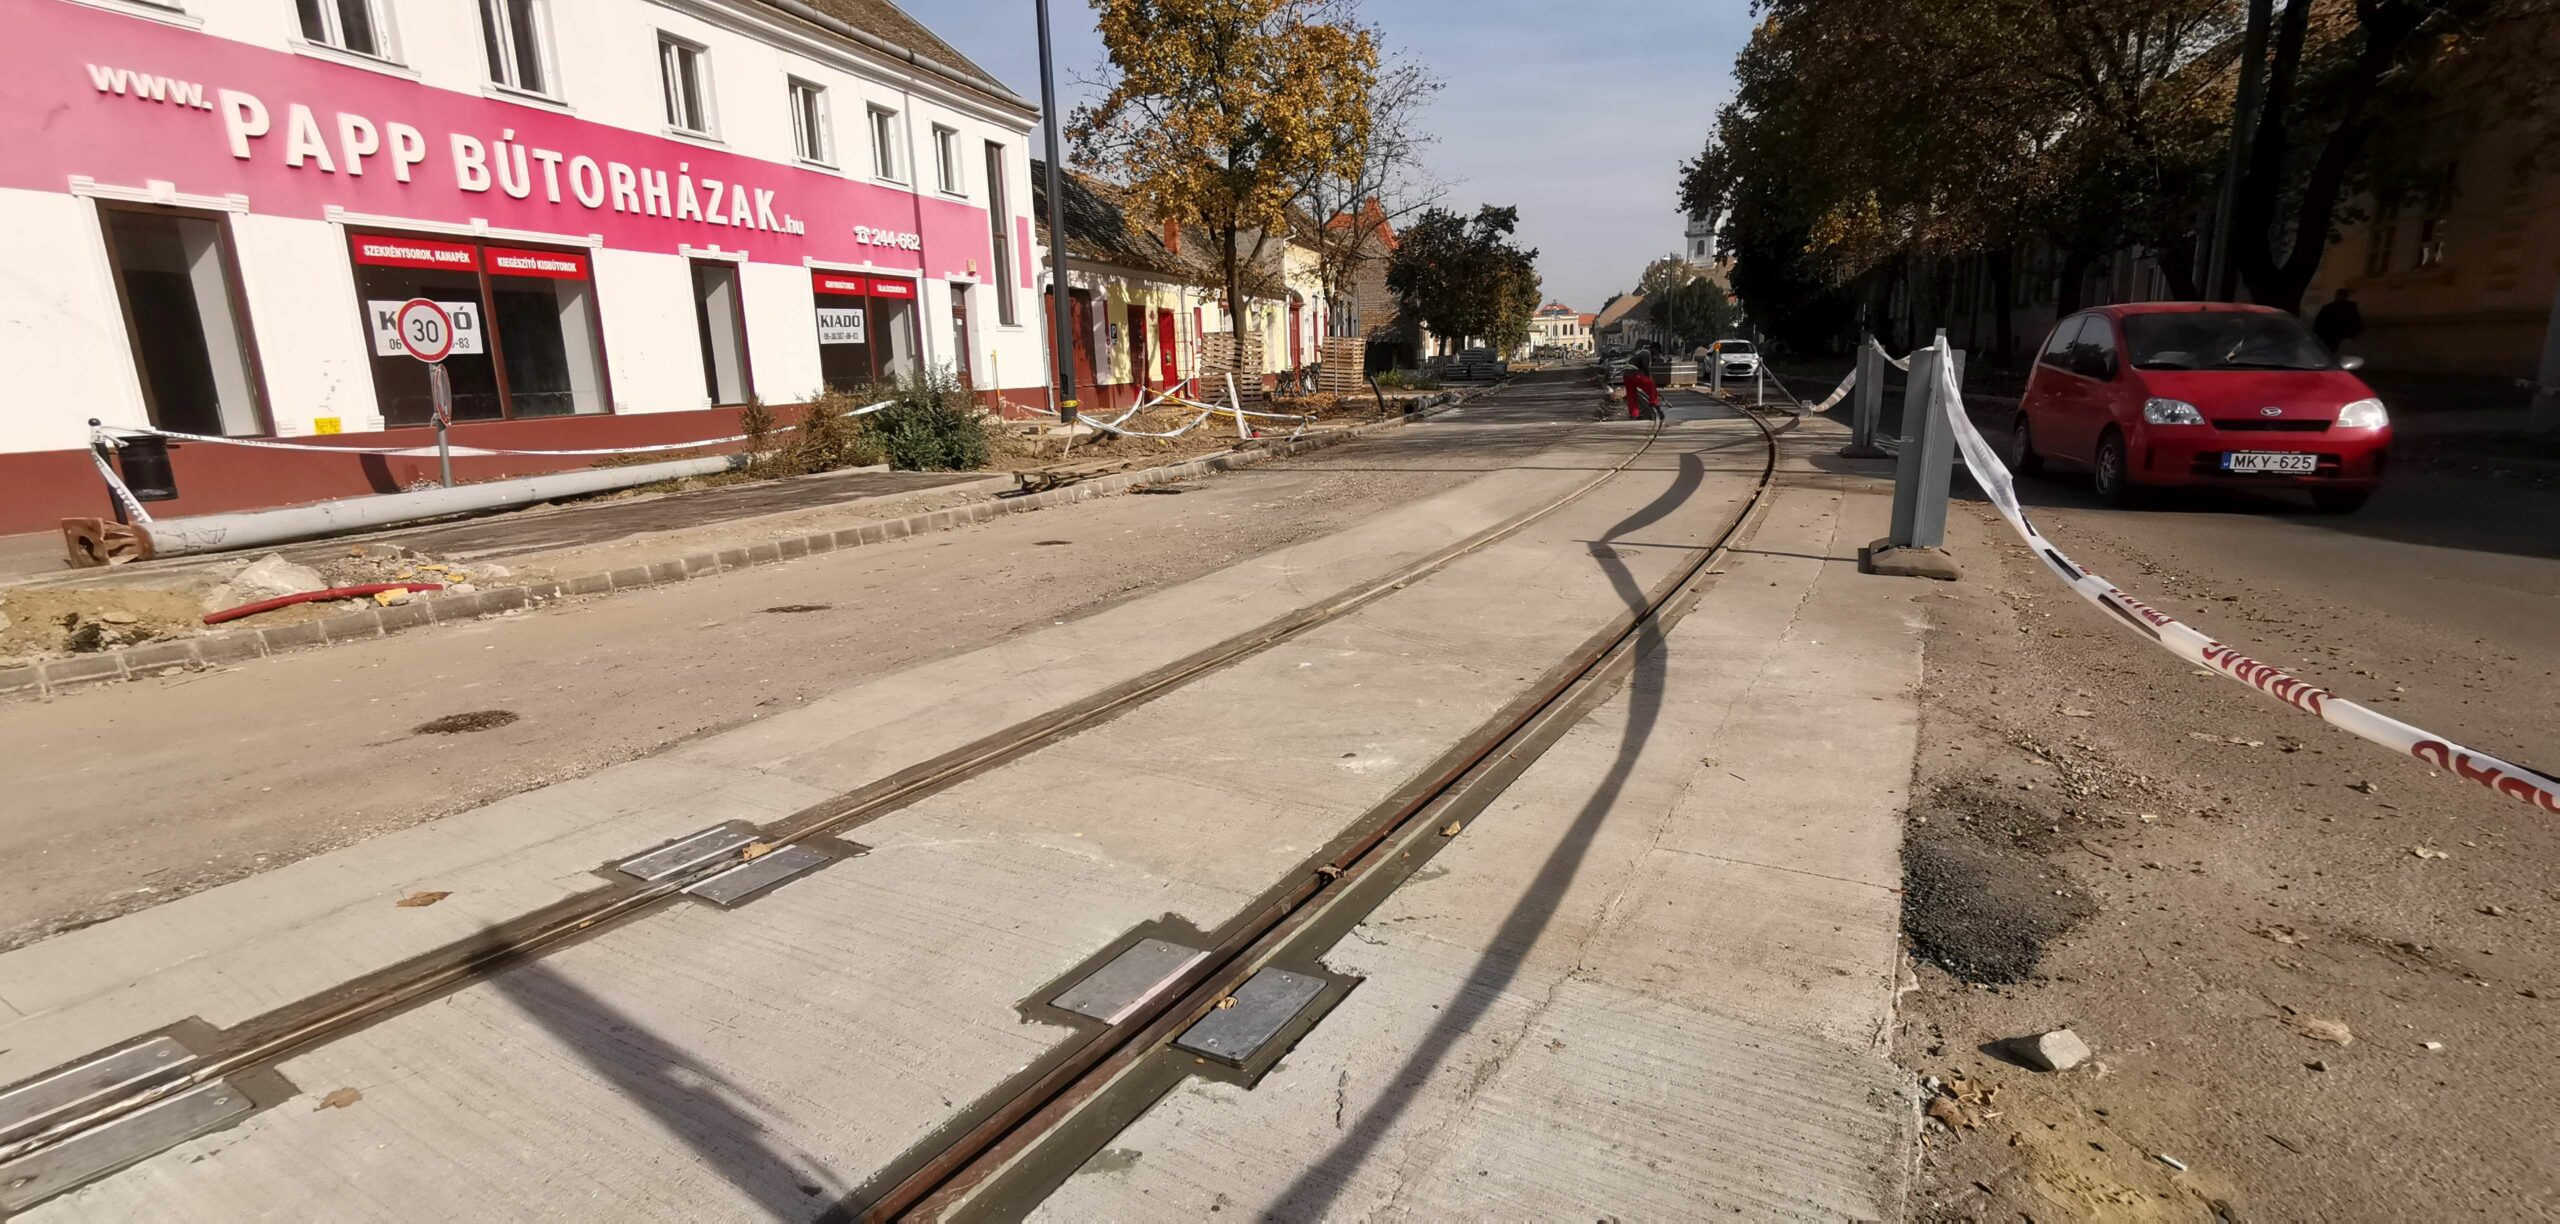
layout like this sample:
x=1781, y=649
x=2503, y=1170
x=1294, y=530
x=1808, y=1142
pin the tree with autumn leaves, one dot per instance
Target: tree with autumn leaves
x=1888, y=135
x=1219, y=113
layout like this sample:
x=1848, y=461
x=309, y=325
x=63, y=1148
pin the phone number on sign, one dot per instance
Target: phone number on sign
x=900, y=239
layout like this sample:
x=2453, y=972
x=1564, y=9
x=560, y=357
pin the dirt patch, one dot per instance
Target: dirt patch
x=45, y=623
x=2200, y=883
x=457, y=724
x=1979, y=898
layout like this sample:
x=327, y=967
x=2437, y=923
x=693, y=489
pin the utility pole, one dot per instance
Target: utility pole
x=1062, y=329
x=2221, y=278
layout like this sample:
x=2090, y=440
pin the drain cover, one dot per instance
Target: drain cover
x=1267, y=1001
x=756, y=875
x=1110, y=993
x=686, y=853
x=31, y=1179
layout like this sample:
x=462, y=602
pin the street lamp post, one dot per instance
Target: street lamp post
x=1062, y=332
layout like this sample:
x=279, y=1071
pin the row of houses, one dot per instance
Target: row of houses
x=635, y=217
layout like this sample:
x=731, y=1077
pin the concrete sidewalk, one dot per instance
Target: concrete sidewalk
x=1656, y=977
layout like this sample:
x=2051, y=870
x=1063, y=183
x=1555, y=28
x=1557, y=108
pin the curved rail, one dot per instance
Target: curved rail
x=947, y=1183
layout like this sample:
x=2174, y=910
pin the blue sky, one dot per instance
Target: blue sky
x=1579, y=113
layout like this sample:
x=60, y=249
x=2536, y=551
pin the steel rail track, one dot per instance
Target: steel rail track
x=963, y=1180
x=263, y=1041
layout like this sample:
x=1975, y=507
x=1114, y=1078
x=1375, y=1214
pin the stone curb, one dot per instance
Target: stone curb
x=50, y=677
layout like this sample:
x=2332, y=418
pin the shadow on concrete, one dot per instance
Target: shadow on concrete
x=1312, y=1194
x=716, y=1119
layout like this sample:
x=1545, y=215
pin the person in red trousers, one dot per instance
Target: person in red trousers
x=1644, y=399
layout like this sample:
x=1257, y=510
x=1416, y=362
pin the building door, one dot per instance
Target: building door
x=1297, y=333
x=960, y=333
x=1138, y=369
x=180, y=296
x=1080, y=324
x=720, y=322
x=1165, y=348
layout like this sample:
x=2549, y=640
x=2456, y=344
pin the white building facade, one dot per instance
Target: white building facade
x=635, y=216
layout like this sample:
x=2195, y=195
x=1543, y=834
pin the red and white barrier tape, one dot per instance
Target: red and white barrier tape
x=116, y=487
x=2178, y=638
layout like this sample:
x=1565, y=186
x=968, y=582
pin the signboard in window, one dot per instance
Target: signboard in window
x=384, y=314
x=384, y=251
x=892, y=288
x=839, y=282
x=840, y=325
x=557, y=265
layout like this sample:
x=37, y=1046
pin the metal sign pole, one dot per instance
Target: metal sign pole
x=440, y=389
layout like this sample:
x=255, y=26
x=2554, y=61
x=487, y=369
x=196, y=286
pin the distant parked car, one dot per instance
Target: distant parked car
x=2201, y=393
x=1737, y=357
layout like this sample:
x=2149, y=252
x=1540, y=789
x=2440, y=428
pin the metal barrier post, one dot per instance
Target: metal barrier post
x=1866, y=402
x=1916, y=547
x=1715, y=379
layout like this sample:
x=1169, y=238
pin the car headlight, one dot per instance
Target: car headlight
x=2173, y=412
x=2363, y=414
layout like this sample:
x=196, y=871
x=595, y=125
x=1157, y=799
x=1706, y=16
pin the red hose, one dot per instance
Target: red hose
x=286, y=601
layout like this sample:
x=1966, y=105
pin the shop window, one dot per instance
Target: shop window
x=946, y=160
x=722, y=321
x=866, y=329
x=884, y=143
x=524, y=324
x=349, y=25
x=809, y=134
x=685, y=71
x=999, y=230
x=960, y=330
x=180, y=296
x=515, y=33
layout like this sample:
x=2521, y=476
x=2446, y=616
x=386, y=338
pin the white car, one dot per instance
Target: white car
x=1737, y=358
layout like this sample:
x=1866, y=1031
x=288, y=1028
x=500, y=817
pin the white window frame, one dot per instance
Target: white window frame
x=887, y=134
x=496, y=12
x=333, y=35
x=822, y=150
x=709, y=117
x=947, y=172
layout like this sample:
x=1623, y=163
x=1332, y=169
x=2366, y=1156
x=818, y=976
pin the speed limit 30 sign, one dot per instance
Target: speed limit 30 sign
x=426, y=331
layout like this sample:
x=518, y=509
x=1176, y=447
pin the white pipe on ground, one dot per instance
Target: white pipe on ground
x=260, y=528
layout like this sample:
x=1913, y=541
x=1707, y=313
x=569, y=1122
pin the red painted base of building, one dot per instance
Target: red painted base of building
x=45, y=487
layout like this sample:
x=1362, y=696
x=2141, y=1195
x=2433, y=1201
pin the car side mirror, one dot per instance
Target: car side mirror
x=2351, y=363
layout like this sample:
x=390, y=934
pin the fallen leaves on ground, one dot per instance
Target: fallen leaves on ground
x=420, y=900
x=1952, y=1115
x=756, y=850
x=339, y=1099
x=2428, y=852
x=1451, y=830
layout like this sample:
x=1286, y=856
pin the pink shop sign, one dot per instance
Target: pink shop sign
x=128, y=101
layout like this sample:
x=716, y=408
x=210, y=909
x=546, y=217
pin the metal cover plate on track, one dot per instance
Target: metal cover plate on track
x=31, y=1179
x=1267, y=1001
x=687, y=853
x=756, y=875
x=1110, y=993
x=32, y=1101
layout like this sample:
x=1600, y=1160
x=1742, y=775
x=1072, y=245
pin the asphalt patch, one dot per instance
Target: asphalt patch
x=456, y=724
x=1979, y=898
x=791, y=608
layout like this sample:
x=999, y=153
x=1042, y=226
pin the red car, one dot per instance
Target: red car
x=2201, y=393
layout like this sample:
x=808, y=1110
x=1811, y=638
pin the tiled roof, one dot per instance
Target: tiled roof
x=1100, y=229
x=887, y=21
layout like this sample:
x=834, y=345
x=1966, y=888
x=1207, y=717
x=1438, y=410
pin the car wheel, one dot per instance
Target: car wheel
x=2110, y=474
x=2023, y=458
x=2339, y=501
